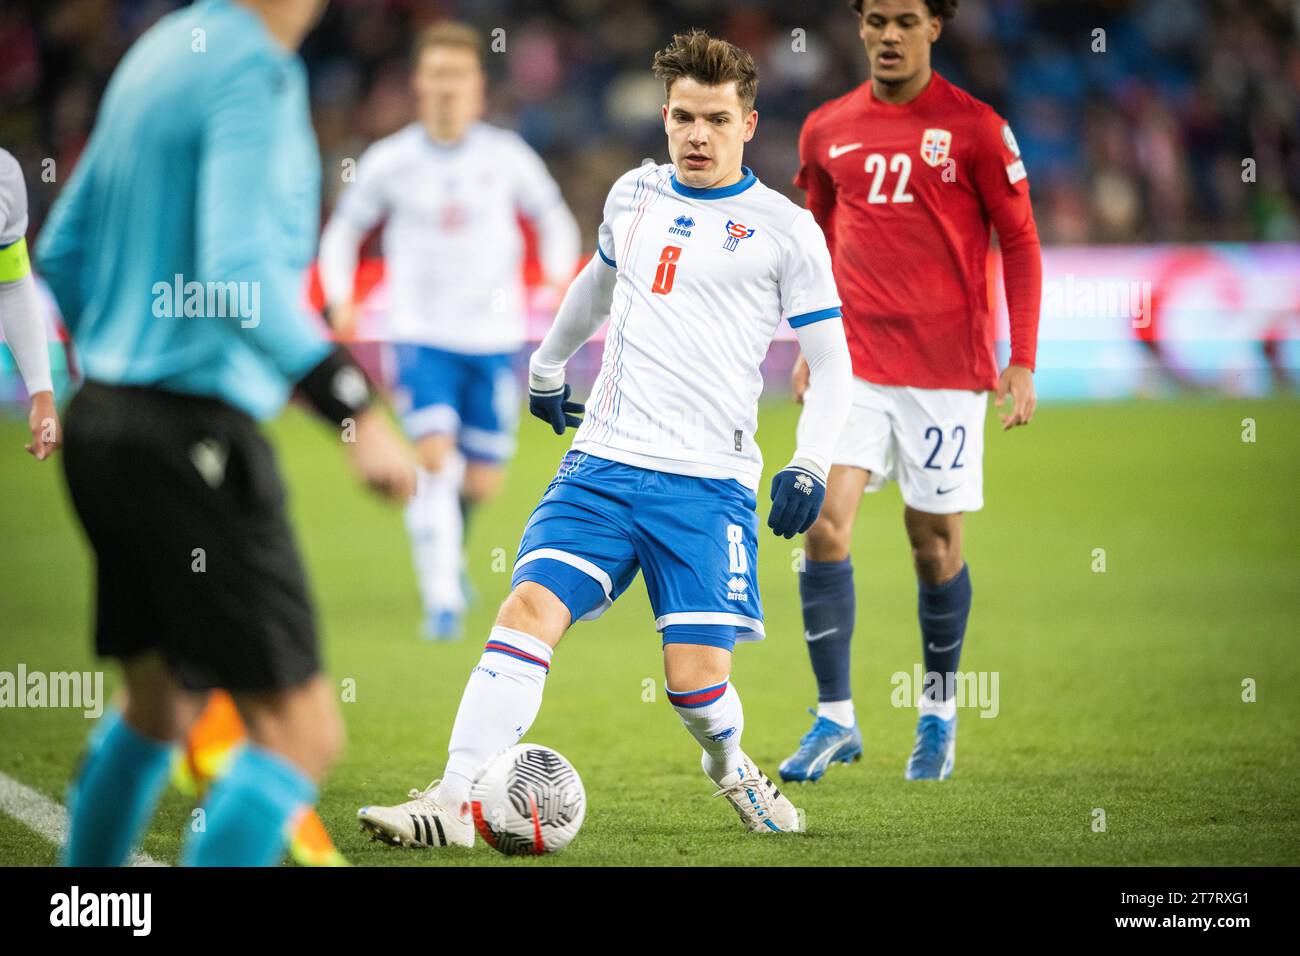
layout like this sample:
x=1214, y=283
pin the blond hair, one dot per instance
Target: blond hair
x=450, y=33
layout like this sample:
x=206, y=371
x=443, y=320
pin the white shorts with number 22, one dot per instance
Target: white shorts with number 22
x=929, y=440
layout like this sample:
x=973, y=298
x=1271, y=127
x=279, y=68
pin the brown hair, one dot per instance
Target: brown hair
x=448, y=33
x=710, y=61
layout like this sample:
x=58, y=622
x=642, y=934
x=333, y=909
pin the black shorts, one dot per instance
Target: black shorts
x=183, y=505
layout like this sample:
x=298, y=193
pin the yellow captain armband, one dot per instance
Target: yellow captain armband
x=14, y=262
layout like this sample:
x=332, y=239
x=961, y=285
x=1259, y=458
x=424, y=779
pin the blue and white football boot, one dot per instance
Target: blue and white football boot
x=442, y=625
x=935, y=748
x=761, y=805
x=826, y=743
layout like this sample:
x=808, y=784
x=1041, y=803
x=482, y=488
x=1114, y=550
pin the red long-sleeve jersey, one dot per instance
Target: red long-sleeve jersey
x=906, y=195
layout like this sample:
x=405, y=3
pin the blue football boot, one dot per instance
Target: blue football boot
x=826, y=743
x=935, y=749
x=442, y=625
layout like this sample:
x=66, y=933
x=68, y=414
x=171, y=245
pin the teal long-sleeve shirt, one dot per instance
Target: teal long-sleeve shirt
x=176, y=251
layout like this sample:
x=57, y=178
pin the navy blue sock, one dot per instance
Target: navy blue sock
x=829, y=606
x=115, y=793
x=943, y=609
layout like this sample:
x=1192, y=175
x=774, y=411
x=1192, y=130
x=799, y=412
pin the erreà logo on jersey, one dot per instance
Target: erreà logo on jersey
x=682, y=226
x=737, y=589
x=735, y=232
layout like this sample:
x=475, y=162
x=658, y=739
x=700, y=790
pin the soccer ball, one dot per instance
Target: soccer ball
x=528, y=800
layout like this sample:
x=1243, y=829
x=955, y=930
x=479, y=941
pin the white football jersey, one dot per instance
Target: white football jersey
x=704, y=278
x=453, y=252
x=13, y=200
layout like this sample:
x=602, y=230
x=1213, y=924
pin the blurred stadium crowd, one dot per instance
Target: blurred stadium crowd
x=1143, y=142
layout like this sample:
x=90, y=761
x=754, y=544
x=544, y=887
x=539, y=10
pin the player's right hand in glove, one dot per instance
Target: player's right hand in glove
x=553, y=407
x=797, y=495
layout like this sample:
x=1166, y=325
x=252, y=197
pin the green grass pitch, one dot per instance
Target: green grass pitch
x=1120, y=691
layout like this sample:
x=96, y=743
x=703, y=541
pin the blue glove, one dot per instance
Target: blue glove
x=797, y=496
x=554, y=408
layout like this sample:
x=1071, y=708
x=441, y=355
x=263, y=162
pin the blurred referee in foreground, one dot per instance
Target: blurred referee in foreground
x=176, y=253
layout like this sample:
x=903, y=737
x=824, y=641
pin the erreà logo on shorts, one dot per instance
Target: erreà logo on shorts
x=133, y=910
x=737, y=589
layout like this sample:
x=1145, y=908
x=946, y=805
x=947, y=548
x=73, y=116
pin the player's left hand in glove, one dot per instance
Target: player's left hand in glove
x=798, y=491
x=553, y=407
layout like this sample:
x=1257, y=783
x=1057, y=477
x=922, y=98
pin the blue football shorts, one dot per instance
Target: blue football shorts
x=474, y=397
x=695, y=539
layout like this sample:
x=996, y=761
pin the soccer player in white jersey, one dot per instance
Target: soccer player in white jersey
x=449, y=189
x=20, y=312
x=698, y=263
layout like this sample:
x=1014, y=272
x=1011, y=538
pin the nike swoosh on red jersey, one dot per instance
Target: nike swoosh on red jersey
x=841, y=150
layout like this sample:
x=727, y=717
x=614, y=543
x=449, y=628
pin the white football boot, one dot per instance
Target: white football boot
x=762, y=807
x=420, y=822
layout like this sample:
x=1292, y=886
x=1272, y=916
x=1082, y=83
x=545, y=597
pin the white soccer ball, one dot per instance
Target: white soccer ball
x=528, y=800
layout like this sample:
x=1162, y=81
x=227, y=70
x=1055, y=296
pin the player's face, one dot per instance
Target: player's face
x=707, y=129
x=898, y=35
x=448, y=83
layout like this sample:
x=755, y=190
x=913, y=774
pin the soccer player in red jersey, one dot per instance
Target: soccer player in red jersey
x=906, y=174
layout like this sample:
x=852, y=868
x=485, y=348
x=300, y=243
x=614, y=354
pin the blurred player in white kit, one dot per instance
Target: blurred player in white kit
x=449, y=189
x=20, y=313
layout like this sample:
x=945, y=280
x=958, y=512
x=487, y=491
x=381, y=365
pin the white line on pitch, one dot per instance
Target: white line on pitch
x=45, y=817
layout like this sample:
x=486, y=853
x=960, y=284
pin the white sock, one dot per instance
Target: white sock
x=946, y=709
x=840, y=711
x=715, y=718
x=500, y=703
x=433, y=519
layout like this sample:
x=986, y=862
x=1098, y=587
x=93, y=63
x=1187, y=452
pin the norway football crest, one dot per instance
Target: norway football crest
x=935, y=144
x=735, y=232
